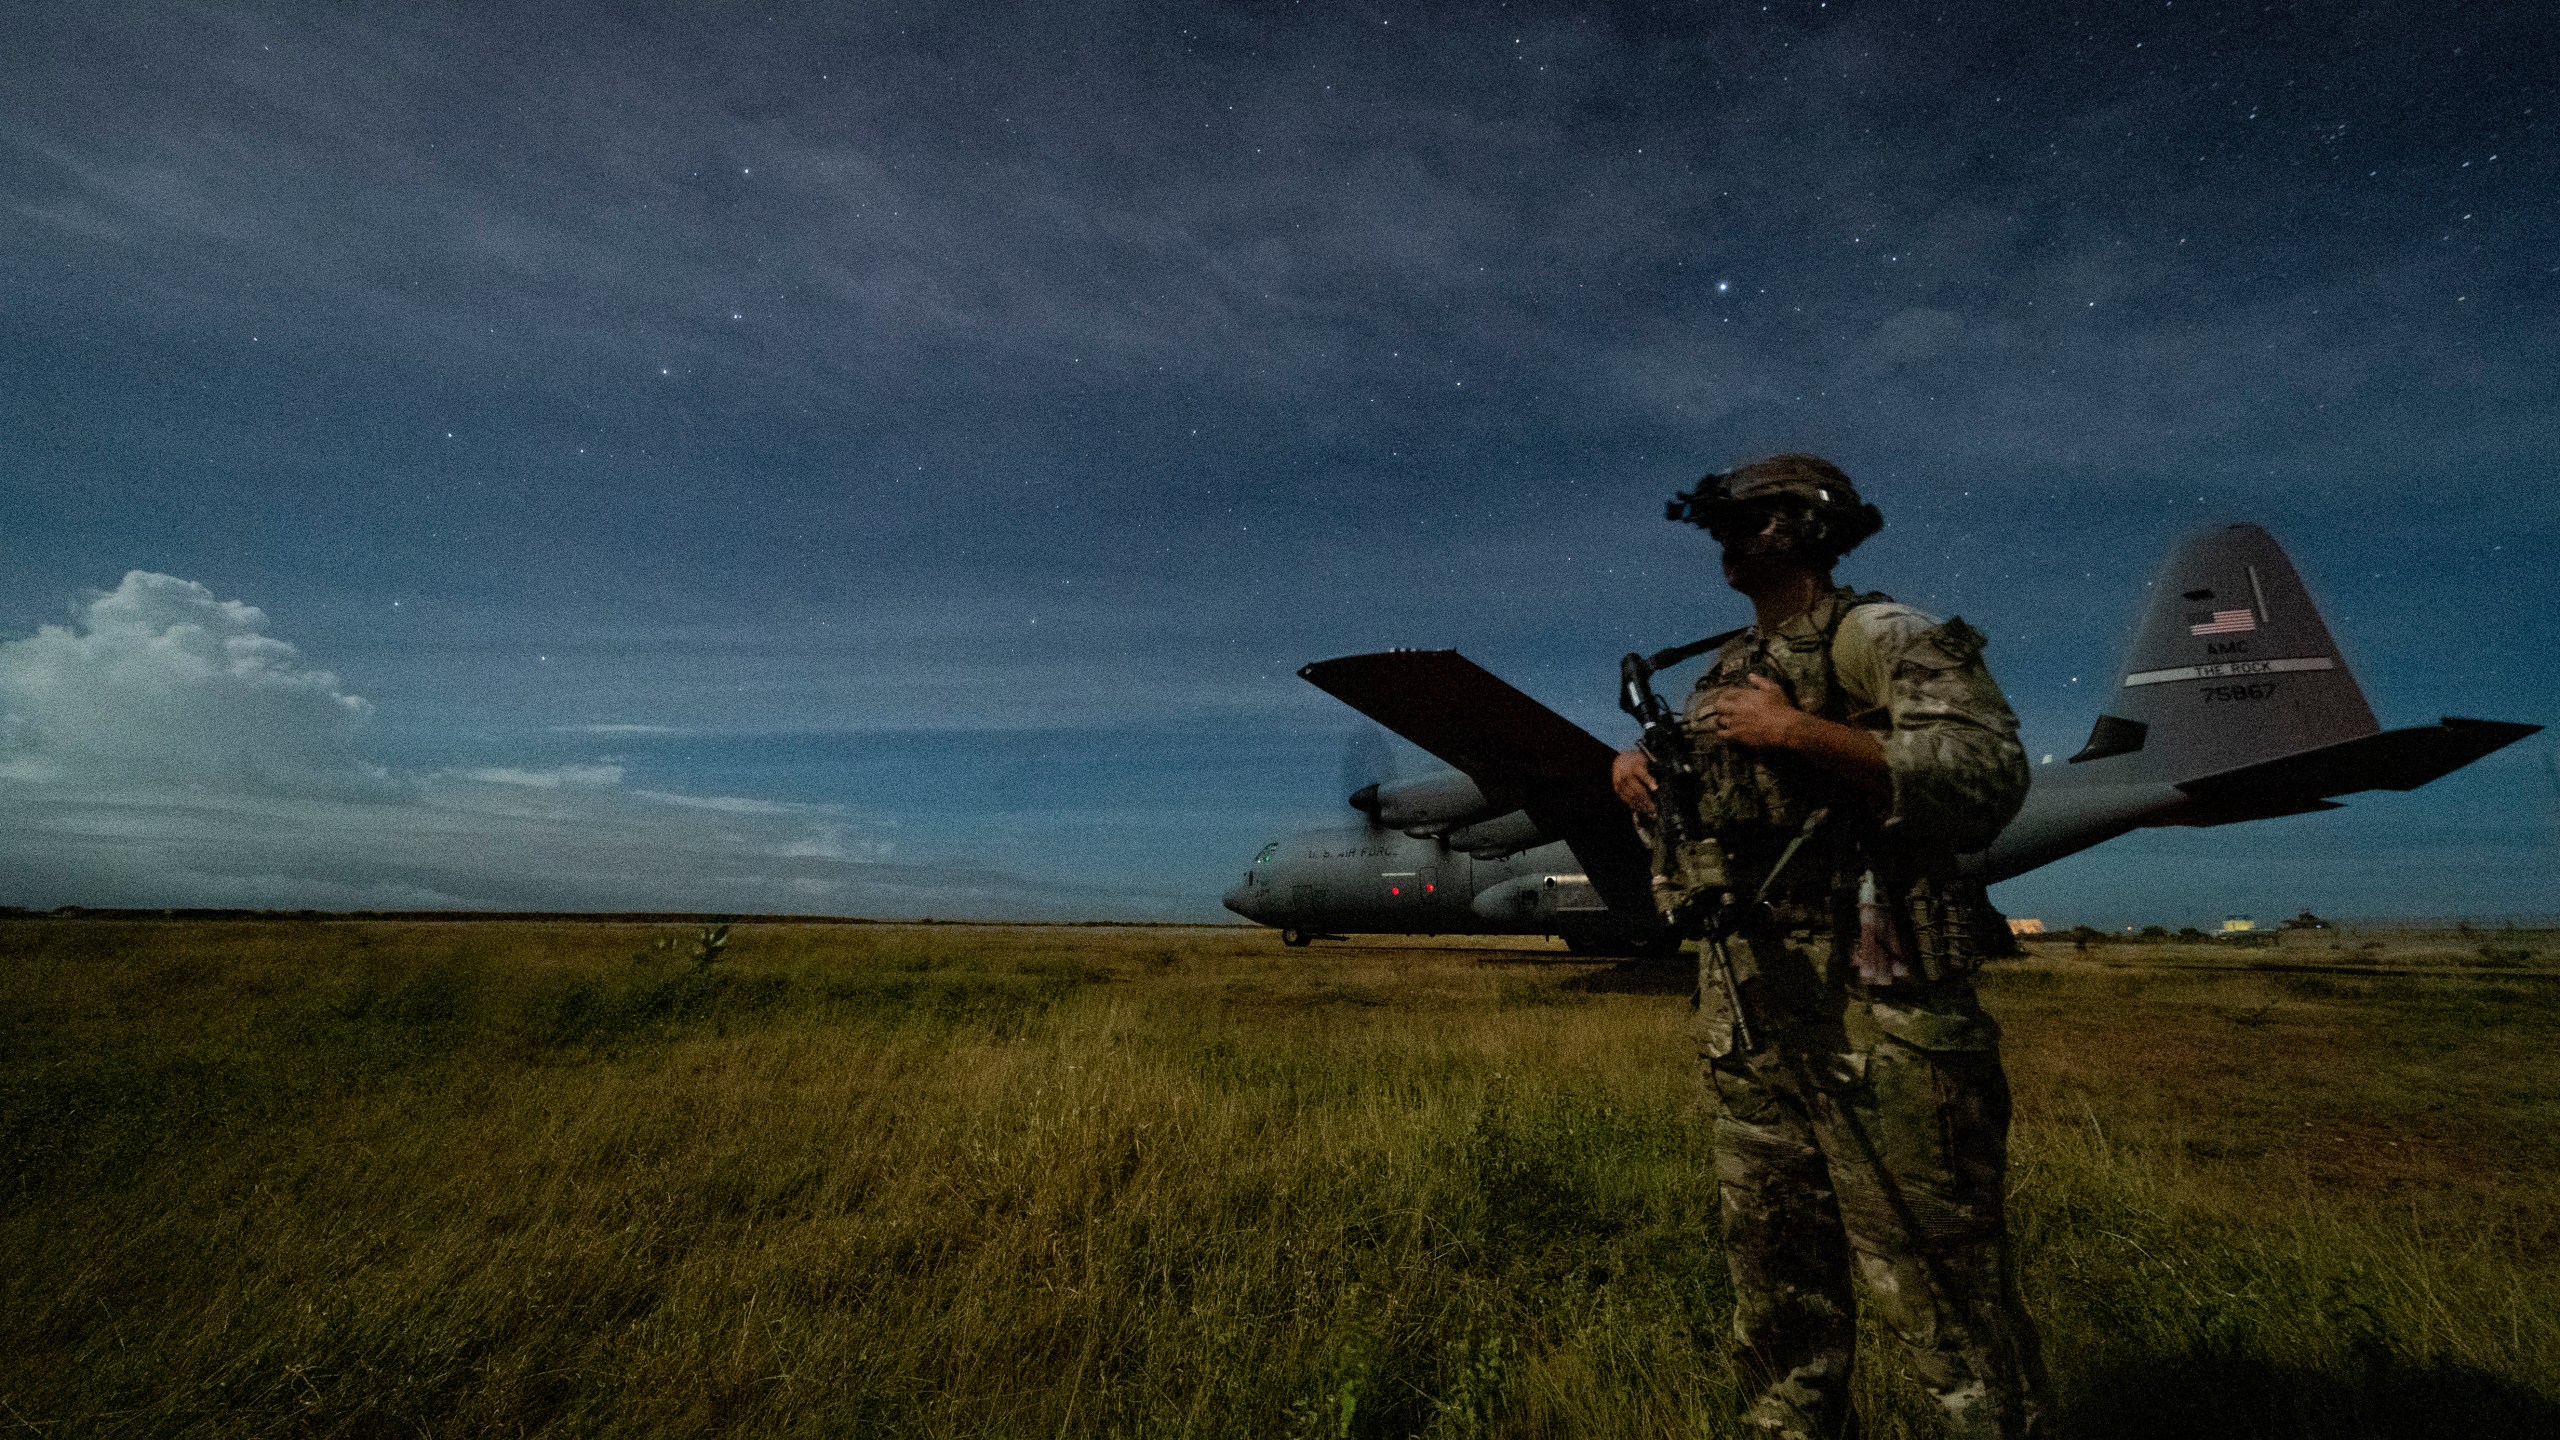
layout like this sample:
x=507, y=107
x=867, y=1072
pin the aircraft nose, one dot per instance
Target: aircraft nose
x=1239, y=898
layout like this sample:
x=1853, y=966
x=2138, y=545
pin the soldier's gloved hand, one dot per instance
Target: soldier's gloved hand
x=1631, y=775
x=1756, y=713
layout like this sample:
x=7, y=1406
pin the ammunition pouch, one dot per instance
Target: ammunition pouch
x=1690, y=878
x=1949, y=920
x=1756, y=801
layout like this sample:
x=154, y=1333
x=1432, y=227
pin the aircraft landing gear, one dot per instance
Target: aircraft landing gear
x=1295, y=939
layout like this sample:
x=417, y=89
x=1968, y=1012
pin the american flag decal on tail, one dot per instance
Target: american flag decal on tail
x=2225, y=622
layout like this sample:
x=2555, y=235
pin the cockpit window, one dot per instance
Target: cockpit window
x=1266, y=852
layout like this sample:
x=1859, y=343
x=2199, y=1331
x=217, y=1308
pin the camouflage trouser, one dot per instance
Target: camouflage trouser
x=1865, y=1134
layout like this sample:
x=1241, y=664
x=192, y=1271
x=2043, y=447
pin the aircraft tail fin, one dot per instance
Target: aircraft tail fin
x=2234, y=704
x=2231, y=667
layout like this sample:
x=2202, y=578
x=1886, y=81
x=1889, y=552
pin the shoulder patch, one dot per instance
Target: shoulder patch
x=1884, y=629
x=1960, y=641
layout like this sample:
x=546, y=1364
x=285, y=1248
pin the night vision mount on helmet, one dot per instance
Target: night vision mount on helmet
x=1831, y=518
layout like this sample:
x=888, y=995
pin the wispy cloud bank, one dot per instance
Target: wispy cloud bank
x=582, y=777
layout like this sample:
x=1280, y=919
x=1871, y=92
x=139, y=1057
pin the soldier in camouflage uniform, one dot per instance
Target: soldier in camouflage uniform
x=1851, y=748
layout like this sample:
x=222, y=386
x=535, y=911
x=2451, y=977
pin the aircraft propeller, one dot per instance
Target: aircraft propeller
x=1368, y=763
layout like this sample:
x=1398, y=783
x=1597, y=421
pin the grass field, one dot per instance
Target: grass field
x=320, y=1178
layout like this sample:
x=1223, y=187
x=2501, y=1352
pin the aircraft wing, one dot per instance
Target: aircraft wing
x=1514, y=748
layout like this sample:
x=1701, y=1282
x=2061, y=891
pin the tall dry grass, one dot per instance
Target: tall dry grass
x=317, y=1179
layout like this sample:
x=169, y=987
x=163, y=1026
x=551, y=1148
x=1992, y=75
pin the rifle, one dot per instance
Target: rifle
x=1666, y=745
x=1686, y=861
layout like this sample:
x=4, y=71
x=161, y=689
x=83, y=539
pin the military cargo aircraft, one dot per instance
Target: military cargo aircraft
x=2234, y=705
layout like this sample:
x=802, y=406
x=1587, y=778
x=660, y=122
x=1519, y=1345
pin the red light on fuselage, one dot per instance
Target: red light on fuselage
x=1430, y=889
x=1395, y=889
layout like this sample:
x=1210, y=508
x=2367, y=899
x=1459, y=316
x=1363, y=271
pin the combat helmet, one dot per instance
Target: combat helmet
x=1833, y=520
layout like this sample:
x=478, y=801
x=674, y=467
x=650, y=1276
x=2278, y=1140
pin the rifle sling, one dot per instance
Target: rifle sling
x=1665, y=659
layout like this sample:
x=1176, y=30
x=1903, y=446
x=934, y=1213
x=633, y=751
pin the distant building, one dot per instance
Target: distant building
x=2022, y=925
x=2238, y=924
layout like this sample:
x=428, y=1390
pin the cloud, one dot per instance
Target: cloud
x=731, y=804
x=584, y=777
x=165, y=749
x=160, y=684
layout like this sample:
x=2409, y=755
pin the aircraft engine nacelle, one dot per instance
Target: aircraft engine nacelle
x=1431, y=806
x=1540, y=900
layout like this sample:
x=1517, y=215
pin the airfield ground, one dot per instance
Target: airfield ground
x=358, y=1178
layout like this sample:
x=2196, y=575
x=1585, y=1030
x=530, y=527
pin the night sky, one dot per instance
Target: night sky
x=893, y=459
